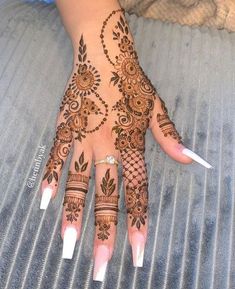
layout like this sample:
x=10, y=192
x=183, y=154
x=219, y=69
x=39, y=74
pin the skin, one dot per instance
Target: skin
x=96, y=129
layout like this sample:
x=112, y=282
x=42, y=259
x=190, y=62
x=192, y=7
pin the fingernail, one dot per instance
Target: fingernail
x=138, y=244
x=46, y=196
x=101, y=262
x=69, y=242
x=196, y=158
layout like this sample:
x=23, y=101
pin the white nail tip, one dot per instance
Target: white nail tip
x=196, y=158
x=46, y=197
x=100, y=274
x=69, y=242
x=139, y=259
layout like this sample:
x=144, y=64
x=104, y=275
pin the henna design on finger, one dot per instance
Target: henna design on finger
x=106, y=207
x=76, y=190
x=59, y=151
x=166, y=125
x=135, y=174
x=134, y=111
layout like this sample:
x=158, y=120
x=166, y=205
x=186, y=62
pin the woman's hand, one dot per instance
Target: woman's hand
x=107, y=107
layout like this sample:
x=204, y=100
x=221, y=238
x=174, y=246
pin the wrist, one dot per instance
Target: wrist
x=82, y=16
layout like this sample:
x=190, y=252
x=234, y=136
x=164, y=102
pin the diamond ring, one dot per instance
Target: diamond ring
x=108, y=160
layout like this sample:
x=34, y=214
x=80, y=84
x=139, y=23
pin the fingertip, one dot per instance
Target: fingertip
x=66, y=226
x=53, y=187
x=175, y=151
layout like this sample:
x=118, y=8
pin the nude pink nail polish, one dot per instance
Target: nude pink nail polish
x=101, y=262
x=138, y=245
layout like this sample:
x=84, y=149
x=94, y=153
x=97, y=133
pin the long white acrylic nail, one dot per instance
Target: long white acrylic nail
x=196, y=158
x=46, y=196
x=138, y=244
x=69, y=242
x=101, y=262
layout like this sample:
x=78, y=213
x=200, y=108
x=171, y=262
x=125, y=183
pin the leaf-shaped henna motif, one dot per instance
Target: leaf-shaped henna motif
x=59, y=150
x=108, y=186
x=134, y=111
x=106, y=206
x=76, y=190
x=77, y=105
x=81, y=165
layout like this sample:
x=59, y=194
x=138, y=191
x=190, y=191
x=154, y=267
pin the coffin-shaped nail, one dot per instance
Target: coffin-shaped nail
x=69, y=242
x=101, y=262
x=196, y=158
x=46, y=196
x=138, y=244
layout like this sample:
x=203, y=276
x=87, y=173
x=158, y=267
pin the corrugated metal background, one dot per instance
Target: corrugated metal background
x=191, y=231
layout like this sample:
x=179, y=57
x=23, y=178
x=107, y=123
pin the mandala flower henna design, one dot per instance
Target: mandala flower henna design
x=80, y=101
x=76, y=190
x=106, y=207
x=85, y=82
x=134, y=112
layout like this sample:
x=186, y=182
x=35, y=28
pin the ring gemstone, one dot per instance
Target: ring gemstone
x=110, y=160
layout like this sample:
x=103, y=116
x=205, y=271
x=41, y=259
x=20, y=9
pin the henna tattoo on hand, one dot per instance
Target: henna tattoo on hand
x=166, y=125
x=134, y=112
x=76, y=106
x=59, y=151
x=106, y=207
x=76, y=190
x=81, y=100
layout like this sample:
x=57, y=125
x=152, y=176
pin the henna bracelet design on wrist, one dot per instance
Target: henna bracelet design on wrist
x=76, y=190
x=106, y=207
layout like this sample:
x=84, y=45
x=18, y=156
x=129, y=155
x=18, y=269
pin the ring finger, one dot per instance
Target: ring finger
x=106, y=215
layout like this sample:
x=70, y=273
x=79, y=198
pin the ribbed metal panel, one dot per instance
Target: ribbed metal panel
x=191, y=210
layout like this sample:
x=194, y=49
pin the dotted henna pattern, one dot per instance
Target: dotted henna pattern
x=134, y=111
x=80, y=101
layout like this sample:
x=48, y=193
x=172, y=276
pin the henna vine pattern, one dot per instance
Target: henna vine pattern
x=106, y=207
x=81, y=100
x=76, y=190
x=134, y=112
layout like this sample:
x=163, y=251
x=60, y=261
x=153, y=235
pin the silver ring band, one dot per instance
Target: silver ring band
x=108, y=160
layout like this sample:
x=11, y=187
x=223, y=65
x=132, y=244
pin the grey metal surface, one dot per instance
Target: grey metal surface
x=191, y=231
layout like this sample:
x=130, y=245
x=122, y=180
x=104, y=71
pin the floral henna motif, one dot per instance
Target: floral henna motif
x=106, y=207
x=76, y=190
x=81, y=100
x=76, y=106
x=137, y=204
x=134, y=112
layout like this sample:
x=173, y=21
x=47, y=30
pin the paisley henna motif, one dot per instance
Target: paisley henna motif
x=76, y=190
x=81, y=101
x=134, y=112
x=106, y=207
